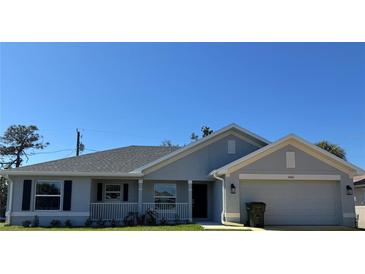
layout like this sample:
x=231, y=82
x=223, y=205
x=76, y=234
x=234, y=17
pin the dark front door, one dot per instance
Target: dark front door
x=200, y=201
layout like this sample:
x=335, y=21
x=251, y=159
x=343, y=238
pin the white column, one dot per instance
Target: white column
x=10, y=202
x=140, y=192
x=190, y=199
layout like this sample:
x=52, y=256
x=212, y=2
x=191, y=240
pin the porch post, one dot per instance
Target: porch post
x=9, y=205
x=190, y=200
x=140, y=191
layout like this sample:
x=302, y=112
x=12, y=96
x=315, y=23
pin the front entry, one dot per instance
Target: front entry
x=200, y=201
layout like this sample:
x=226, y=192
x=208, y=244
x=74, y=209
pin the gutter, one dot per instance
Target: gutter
x=67, y=173
x=223, y=214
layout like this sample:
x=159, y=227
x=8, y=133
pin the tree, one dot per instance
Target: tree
x=194, y=137
x=332, y=148
x=19, y=142
x=206, y=131
x=168, y=143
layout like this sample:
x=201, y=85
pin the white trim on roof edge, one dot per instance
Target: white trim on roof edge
x=76, y=174
x=200, y=142
x=298, y=142
x=290, y=177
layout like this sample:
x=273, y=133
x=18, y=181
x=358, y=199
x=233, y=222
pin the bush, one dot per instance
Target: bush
x=131, y=219
x=100, y=223
x=68, y=223
x=141, y=219
x=55, y=223
x=88, y=222
x=113, y=223
x=35, y=222
x=177, y=219
x=26, y=223
x=151, y=217
x=163, y=221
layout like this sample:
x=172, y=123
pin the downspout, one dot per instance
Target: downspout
x=223, y=214
x=10, y=202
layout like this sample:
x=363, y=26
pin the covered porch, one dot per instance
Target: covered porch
x=172, y=201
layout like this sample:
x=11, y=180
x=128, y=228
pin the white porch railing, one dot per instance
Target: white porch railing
x=169, y=211
x=111, y=211
x=118, y=211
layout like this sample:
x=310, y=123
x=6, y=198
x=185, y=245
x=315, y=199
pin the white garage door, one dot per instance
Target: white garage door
x=294, y=202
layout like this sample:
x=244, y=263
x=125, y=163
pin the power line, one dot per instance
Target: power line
x=50, y=152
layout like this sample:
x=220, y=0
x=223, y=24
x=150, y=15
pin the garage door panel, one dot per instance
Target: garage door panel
x=294, y=202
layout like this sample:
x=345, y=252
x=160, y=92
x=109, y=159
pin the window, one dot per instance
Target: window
x=231, y=147
x=290, y=159
x=165, y=196
x=113, y=192
x=48, y=195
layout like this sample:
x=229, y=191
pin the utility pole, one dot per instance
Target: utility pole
x=77, y=142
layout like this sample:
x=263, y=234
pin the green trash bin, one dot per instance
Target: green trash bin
x=256, y=214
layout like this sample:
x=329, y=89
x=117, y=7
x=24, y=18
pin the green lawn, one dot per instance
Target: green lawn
x=189, y=227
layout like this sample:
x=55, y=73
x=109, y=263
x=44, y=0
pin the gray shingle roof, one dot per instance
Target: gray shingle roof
x=120, y=160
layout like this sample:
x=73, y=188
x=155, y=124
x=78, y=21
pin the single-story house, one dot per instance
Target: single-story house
x=359, y=183
x=211, y=179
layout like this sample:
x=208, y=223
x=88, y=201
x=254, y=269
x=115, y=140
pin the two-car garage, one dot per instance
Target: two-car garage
x=294, y=202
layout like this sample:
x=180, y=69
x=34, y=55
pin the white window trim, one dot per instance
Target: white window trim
x=120, y=192
x=47, y=195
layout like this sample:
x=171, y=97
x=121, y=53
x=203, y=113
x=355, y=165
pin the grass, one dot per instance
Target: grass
x=188, y=227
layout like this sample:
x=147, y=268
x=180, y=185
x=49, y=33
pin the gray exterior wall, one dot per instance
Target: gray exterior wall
x=275, y=163
x=181, y=190
x=198, y=165
x=217, y=201
x=132, y=189
x=360, y=196
x=80, y=201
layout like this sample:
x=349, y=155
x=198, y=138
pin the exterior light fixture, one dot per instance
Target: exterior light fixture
x=349, y=190
x=233, y=189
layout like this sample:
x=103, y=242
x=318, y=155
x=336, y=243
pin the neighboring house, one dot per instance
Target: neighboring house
x=359, y=183
x=209, y=180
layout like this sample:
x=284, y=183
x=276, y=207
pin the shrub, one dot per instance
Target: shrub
x=177, y=219
x=35, y=222
x=163, y=221
x=141, y=219
x=68, y=223
x=113, y=223
x=88, y=222
x=26, y=223
x=151, y=217
x=55, y=223
x=131, y=219
x=100, y=223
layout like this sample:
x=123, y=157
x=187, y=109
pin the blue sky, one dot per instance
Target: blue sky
x=143, y=93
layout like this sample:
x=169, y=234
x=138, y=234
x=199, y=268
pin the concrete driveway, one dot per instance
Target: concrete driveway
x=220, y=227
x=310, y=228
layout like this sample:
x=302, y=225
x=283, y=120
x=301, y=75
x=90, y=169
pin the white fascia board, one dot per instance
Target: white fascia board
x=276, y=145
x=330, y=155
x=295, y=177
x=71, y=174
x=250, y=133
x=201, y=141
